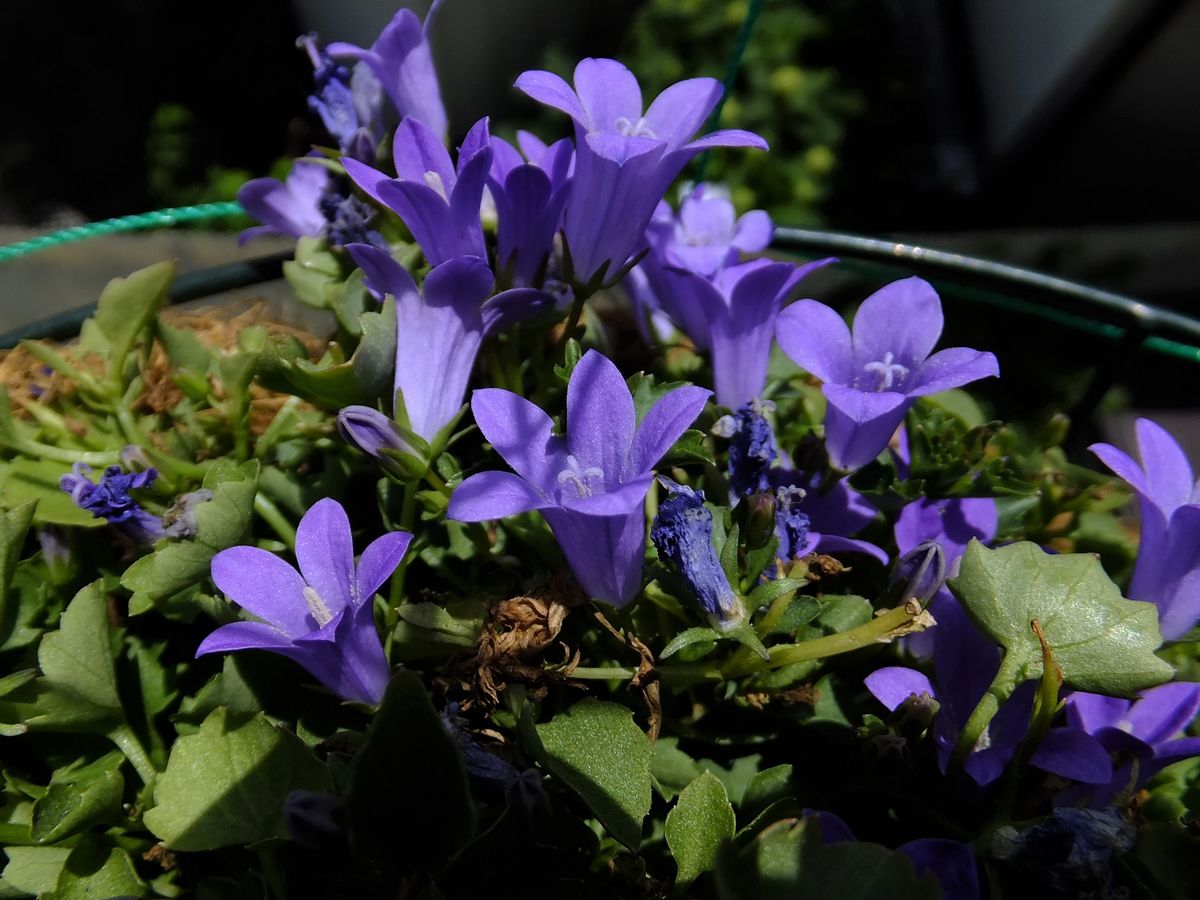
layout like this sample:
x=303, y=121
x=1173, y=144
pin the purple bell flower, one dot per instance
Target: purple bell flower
x=591, y=484
x=436, y=200
x=626, y=157
x=1167, y=571
x=529, y=198
x=1111, y=745
x=439, y=331
x=401, y=60
x=291, y=208
x=706, y=237
x=320, y=616
x=873, y=376
x=734, y=315
x=110, y=500
x=682, y=534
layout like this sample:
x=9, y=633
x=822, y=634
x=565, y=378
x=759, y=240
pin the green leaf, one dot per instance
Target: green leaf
x=79, y=798
x=409, y=804
x=34, y=870
x=788, y=860
x=1102, y=642
x=671, y=768
x=456, y=622
x=126, y=308
x=596, y=749
x=330, y=382
x=374, y=360
x=315, y=274
x=14, y=524
x=700, y=822
x=221, y=522
x=689, y=637
x=93, y=871
x=767, y=787
x=225, y=785
x=26, y=480
x=78, y=657
x=184, y=349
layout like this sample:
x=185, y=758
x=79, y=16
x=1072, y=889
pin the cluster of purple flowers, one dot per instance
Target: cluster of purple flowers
x=572, y=217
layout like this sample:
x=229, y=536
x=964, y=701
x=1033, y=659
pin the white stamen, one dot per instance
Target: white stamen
x=434, y=180
x=633, y=127
x=579, y=476
x=317, y=608
x=887, y=370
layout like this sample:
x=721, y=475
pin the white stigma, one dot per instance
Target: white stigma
x=575, y=474
x=887, y=370
x=434, y=180
x=317, y=608
x=633, y=127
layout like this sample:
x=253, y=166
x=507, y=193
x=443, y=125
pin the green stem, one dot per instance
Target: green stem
x=572, y=322
x=989, y=704
x=604, y=673
x=128, y=744
x=818, y=648
x=64, y=455
x=436, y=482
x=271, y=514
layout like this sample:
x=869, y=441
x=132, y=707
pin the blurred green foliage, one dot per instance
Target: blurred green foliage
x=174, y=176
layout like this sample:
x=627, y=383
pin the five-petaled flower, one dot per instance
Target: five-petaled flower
x=1167, y=572
x=626, y=157
x=591, y=484
x=873, y=375
x=321, y=616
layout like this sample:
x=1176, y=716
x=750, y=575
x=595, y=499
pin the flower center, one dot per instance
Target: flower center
x=577, y=475
x=434, y=180
x=886, y=371
x=317, y=608
x=633, y=127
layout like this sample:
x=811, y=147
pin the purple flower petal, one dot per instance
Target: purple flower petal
x=754, y=232
x=600, y=415
x=951, y=862
x=835, y=544
x=265, y=585
x=609, y=93
x=1091, y=712
x=521, y=433
x=663, y=425
x=379, y=561
x=903, y=318
x=509, y=307
x=245, y=636
x=325, y=553
x=367, y=179
x=1164, y=711
x=1123, y=466
x=951, y=523
x=679, y=111
x=383, y=274
x=620, y=502
x=605, y=552
x=494, y=495
x=549, y=89
x=952, y=368
x=858, y=425
x=1169, y=479
x=1073, y=754
x=728, y=137
x=817, y=339
x=419, y=152
x=892, y=685
x=741, y=331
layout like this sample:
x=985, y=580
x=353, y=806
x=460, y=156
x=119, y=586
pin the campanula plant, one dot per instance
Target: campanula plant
x=565, y=553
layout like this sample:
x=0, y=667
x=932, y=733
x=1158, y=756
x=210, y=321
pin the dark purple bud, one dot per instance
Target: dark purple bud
x=919, y=573
x=756, y=516
x=110, y=499
x=349, y=220
x=791, y=524
x=751, y=447
x=314, y=819
x=682, y=534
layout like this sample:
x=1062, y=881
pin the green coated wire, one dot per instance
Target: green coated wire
x=735, y=61
x=159, y=218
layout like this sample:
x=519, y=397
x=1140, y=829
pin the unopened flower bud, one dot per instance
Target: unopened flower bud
x=374, y=433
x=919, y=573
x=755, y=515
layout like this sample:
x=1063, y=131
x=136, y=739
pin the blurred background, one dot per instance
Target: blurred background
x=1063, y=136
